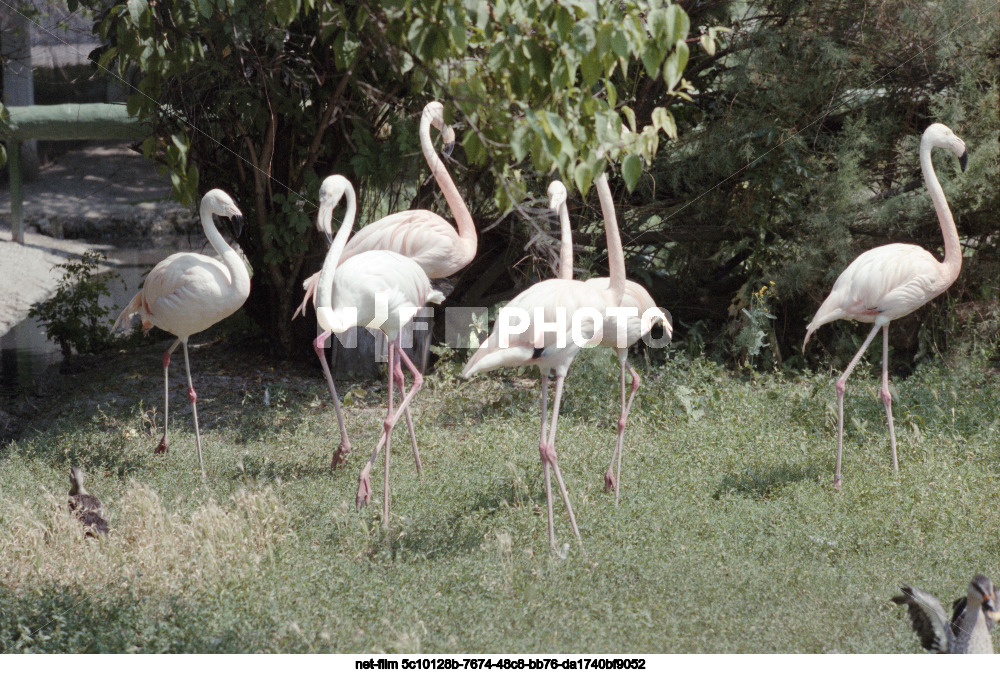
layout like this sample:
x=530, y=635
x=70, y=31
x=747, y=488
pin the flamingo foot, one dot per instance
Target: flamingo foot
x=836, y=484
x=163, y=446
x=609, y=481
x=364, y=488
x=340, y=455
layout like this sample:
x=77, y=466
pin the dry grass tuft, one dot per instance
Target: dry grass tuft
x=149, y=552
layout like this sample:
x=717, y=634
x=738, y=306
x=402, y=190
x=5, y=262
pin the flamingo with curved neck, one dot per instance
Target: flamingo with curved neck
x=187, y=293
x=894, y=280
x=378, y=289
x=425, y=237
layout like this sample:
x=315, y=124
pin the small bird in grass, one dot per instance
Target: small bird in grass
x=85, y=507
x=973, y=617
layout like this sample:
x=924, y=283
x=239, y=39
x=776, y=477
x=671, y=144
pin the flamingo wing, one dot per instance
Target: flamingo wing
x=885, y=282
x=426, y=238
x=385, y=288
x=546, y=339
x=187, y=293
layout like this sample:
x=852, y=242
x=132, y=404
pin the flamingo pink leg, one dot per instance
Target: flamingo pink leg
x=400, y=381
x=543, y=453
x=164, y=445
x=340, y=455
x=887, y=396
x=389, y=423
x=193, y=396
x=841, y=386
x=364, y=479
x=612, y=480
x=548, y=453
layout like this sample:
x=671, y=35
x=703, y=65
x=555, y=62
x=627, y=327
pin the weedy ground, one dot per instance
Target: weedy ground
x=729, y=536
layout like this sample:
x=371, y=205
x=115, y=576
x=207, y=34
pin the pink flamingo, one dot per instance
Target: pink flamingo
x=553, y=350
x=647, y=316
x=379, y=289
x=423, y=236
x=187, y=293
x=894, y=280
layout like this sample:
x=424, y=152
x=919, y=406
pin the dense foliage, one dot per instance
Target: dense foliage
x=788, y=146
x=264, y=100
x=801, y=152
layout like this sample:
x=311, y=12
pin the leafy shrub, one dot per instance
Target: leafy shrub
x=74, y=317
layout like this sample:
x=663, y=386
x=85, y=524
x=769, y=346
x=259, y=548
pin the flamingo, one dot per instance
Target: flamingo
x=378, y=289
x=893, y=280
x=187, y=293
x=647, y=316
x=425, y=237
x=553, y=350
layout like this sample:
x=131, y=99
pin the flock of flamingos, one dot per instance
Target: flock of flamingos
x=376, y=277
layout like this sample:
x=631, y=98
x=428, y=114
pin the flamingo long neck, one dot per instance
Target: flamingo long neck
x=463, y=218
x=324, y=292
x=616, y=254
x=952, y=246
x=566, y=244
x=239, y=277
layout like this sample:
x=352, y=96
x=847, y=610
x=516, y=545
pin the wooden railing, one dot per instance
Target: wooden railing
x=69, y=121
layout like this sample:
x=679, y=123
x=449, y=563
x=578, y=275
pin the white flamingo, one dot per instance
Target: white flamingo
x=187, y=293
x=425, y=237
x=894, y=280
x=377, y=289
x=635, y=326
x=548, y=303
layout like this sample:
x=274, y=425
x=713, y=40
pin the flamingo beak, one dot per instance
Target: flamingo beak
x=448, y=138
x=963, y=160
x=324, y=220
x=237, y=225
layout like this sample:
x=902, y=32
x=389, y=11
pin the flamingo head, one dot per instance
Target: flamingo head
x=434, y=115
x=557, y=195
x=331, y=191
x=217, y=202
x=941, y=136
x=221, y=204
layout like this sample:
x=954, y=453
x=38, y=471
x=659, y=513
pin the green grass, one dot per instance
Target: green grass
x=728, y=538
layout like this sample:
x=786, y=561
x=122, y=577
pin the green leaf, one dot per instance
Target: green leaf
x=619, y=43
x=474, y=150
x=583, y=175
x=652, y=57
x=679, y=22
x=630, y=116
x=708, y=43
x=136, y=8
x=520, y=143
x=591, y=68
x=631, y=171
x=659, y=24
x=674, y=67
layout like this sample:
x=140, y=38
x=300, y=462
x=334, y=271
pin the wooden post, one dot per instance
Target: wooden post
x=16, y=194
